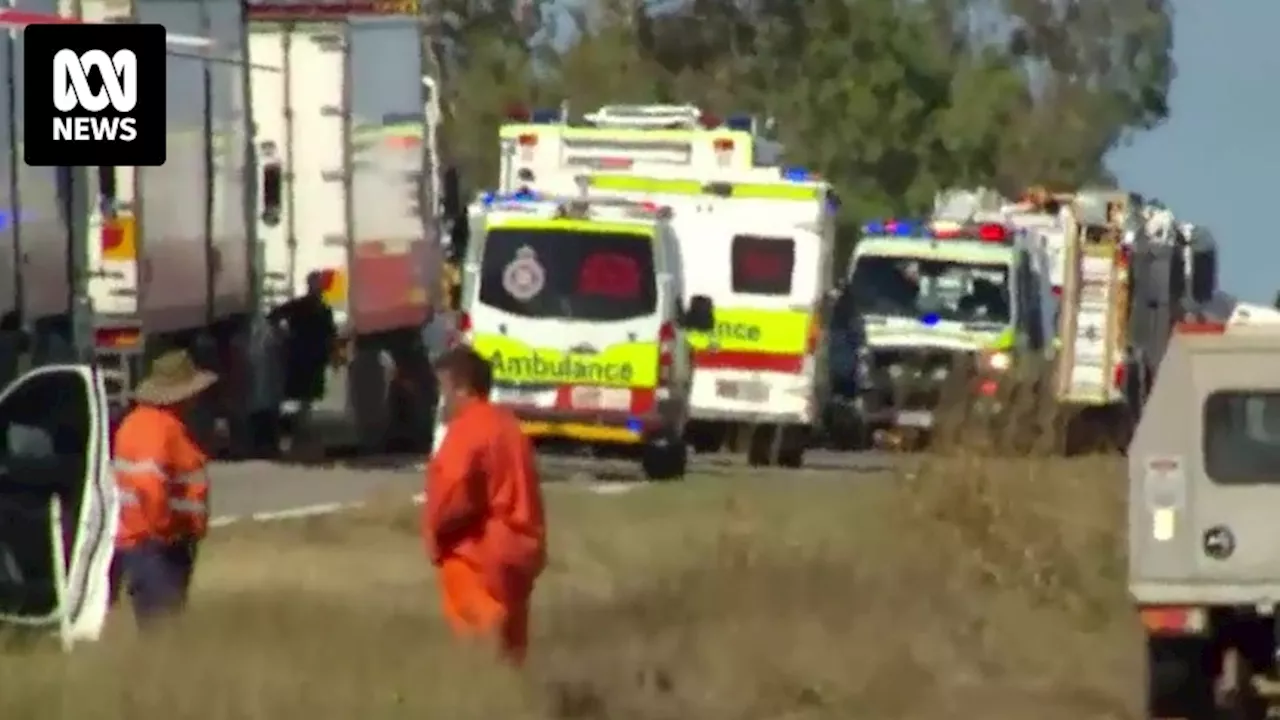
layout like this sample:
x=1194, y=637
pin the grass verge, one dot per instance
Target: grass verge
x=989, y=587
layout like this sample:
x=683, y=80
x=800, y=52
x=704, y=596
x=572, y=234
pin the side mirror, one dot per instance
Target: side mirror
x=700, y=315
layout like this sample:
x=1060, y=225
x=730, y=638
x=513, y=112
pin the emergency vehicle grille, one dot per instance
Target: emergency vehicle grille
x=915, y=377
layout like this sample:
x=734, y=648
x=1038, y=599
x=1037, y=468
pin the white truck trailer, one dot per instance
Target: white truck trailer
x=269, y=176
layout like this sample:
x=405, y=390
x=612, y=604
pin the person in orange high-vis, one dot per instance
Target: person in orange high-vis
x=164, y=489
x=483, y=521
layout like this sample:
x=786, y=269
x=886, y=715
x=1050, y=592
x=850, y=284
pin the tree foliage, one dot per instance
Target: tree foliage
x=891, y=100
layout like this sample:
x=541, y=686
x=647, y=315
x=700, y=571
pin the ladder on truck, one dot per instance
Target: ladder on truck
x=1093, y=326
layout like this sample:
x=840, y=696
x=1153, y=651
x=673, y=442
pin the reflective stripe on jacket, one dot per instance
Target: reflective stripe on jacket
x=160, y=472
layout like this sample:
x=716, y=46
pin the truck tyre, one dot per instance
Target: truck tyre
x=665, y=457
x=368, y=392
x=795, y=440
x=1180, y=682
x=705, y=437
x=762, y=443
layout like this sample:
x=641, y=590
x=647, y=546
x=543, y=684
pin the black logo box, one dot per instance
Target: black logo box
x=41, y=43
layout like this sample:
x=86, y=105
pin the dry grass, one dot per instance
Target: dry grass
x=992, y=588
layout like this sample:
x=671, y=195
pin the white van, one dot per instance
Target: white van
x=578, y=306
x=760, y=244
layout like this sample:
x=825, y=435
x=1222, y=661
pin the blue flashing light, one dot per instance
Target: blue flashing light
x=795, y=174
x=522, y=195
x=738, y=122
x=635, y=425
x=893, y=228
x=930, y=320
x=544, y=116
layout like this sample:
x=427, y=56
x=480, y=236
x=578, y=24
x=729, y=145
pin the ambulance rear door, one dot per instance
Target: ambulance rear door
x=587, y=291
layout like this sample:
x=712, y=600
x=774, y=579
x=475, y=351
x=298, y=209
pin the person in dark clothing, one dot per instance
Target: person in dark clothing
x=310, y=340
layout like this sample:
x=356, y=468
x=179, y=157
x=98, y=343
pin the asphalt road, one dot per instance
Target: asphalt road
x=257, y=487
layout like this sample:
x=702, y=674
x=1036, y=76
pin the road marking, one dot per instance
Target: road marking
x=306, y=511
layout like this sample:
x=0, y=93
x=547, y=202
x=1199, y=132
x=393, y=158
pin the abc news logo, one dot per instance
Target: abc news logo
x=71, y=92
x=100, y=92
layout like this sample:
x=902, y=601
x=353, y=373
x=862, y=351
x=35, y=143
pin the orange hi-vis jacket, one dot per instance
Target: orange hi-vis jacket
x=160, y=472
x=483, y=525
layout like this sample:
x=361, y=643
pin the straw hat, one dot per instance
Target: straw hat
x=172, y=378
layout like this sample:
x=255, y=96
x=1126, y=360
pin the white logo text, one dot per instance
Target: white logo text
x=71, y=91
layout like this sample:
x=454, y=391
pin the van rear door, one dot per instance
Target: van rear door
x=58, y=502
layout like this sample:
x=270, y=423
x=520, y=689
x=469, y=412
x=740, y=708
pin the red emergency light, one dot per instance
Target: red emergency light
x=708, y=121
x=518, y=113
x=993, y=232
x=614, y=163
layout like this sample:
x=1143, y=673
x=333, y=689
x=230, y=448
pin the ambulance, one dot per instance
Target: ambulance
x=924, y=299
x=760, y=244
x=543, y=150
x=578, y=305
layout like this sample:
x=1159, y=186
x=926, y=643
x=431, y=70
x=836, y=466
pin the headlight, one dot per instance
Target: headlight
x=999, y=361
x=895, y=371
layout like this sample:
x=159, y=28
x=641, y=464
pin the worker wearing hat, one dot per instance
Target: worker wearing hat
x=164, y=489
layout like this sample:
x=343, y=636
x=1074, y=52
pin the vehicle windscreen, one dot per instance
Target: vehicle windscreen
x=1242, y=437
x=895, y=286
x=599, y=277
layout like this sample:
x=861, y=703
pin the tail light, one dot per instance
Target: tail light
x=527, y=142
x=666, y=352
x=112, y=236
x=724, y=151
x=815, y=335
x=1124, y=255
x=1057, y=291
x=1120, y=374
x=1166, y=620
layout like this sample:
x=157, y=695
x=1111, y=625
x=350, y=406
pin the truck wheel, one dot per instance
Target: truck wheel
x=664, y=457
x=795, y=440
x=1180, y=682
x=760, y=445
x=368, y=392
x=705, y=437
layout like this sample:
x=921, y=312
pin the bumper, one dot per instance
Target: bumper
x=753, y=418
x=597, y=427
x=889, y=408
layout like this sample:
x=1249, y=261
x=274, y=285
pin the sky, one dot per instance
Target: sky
x=1216, y=162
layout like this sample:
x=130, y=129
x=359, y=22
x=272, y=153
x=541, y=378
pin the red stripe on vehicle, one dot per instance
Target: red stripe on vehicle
x=748, y=360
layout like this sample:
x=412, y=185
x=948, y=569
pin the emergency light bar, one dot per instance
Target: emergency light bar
x=984, y=232
x=578, y=207
x=540, y=116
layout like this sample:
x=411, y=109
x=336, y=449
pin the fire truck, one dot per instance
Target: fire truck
x=1131, y=273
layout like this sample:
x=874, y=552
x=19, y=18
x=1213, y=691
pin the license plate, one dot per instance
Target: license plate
x=516, y=395
x=594, y=398
x=746, y=391
x=915, y=419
